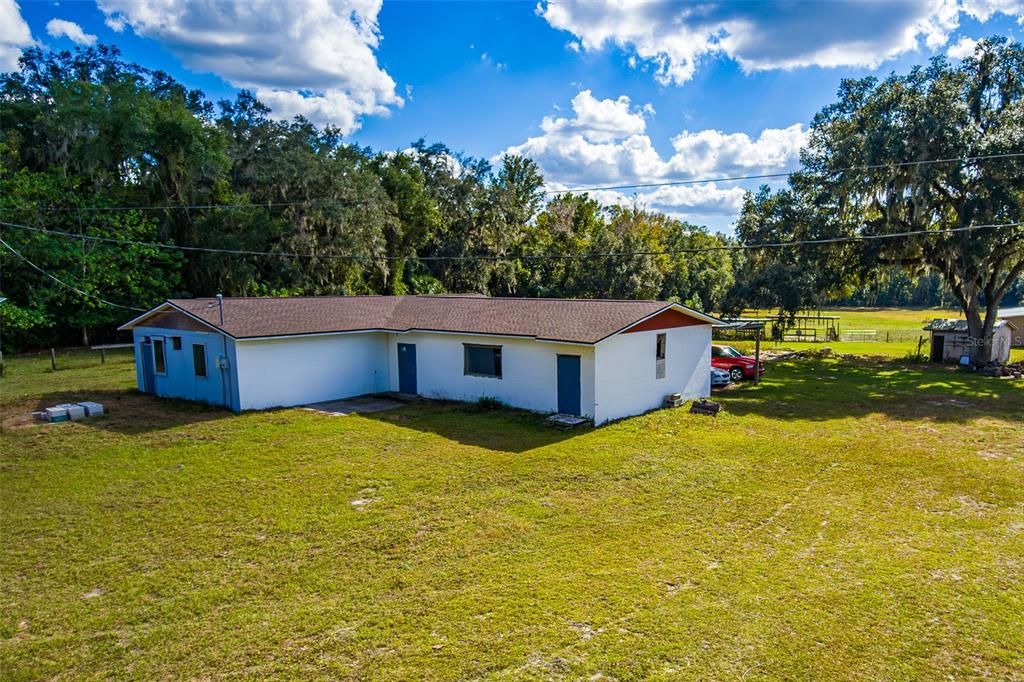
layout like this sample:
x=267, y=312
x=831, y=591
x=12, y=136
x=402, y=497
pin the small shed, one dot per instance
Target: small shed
x=950, y=340
x=1015, y=316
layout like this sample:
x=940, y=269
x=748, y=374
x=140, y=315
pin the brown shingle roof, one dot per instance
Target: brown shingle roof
x=572, y=320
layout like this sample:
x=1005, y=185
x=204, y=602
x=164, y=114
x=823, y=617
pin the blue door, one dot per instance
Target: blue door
x=407, y=368
x=569, y=384
x=148, y=374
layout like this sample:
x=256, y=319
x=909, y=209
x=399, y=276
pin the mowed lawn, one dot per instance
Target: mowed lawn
x=845, y=520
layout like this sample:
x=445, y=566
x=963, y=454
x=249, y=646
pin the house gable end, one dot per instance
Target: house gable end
x=166, y=316
x=172, y=319
x=670, y=318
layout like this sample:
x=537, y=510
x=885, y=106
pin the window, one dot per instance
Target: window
x=199, y=359
x=159, y=361
x=176, y=342
x=659, y=357
x=725, y=352
x=482, y=361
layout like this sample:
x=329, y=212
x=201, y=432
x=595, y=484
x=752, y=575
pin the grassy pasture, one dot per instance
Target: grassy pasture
x=904, y=326
x=845, y=519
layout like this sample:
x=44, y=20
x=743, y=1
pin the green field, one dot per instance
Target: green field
x=844, y=520
x=901, y=326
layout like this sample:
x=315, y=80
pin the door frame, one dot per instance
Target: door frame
x=148, y=369
x=579, y=383
x=938, y=349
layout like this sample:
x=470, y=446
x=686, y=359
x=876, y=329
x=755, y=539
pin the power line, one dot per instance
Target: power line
x=542, y=256
x=765, y=176
x=198, y=207
x=65, y=284
x=575, y=190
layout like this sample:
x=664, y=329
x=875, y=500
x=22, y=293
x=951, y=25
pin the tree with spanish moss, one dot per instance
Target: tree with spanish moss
x=900, y=155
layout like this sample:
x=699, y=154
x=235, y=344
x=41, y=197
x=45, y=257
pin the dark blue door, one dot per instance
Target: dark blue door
x=569, y=384
x=407, y=368
x=148, y=374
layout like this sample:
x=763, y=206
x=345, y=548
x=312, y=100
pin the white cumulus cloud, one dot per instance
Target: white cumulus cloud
x=675, y=38
x=709, y=152
x=15, y=35
x=61, y=28
x=314, y=58
x=983, y=10
x=962, y=49
x=604, y=142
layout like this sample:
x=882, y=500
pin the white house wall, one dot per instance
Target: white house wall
x=529, y=370
x=625, y=376
x=306, y=369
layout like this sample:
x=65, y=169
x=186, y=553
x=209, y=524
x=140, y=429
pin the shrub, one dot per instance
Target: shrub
x=488, y=403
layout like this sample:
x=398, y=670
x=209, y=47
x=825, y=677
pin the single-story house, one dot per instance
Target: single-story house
x=1015, y=316
x=950, y=340
x=600, y=359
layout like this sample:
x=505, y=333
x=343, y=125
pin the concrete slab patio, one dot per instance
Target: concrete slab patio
x=359, y=405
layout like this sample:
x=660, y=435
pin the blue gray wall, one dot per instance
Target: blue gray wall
x=219, y=387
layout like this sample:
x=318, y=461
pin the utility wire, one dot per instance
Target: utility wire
x=65, y=284
x=576, y=190
x=541, y=256
x=197, y=207
x=764, y=176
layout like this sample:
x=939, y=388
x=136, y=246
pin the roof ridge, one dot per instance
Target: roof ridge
x=285, y=298
x=541, y=298
x=470, y=297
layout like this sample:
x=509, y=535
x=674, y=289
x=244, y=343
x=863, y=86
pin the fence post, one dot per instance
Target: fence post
x=103, y=356
x=757, y=357
x=53, y=359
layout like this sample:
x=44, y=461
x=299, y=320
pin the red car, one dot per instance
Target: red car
x=737, y=364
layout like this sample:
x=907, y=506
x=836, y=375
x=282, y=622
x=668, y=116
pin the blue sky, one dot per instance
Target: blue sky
x=598, y=92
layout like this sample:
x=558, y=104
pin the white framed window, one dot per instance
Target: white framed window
x=199, y=360
x=159, y=355
x=659, y=356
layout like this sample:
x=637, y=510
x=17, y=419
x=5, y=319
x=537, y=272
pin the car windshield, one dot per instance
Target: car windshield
x=730, y=352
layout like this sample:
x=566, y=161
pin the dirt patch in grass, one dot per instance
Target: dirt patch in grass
x=126, y=411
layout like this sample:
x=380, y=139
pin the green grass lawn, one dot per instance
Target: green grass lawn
x=844, y=520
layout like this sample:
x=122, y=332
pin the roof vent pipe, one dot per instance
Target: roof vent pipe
x=220, y=305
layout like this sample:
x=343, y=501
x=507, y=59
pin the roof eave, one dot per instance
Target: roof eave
x=413, y=330
x=134, y=322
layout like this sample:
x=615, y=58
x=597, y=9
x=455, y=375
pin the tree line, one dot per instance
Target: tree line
x=103, y=149
x=934, y=154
